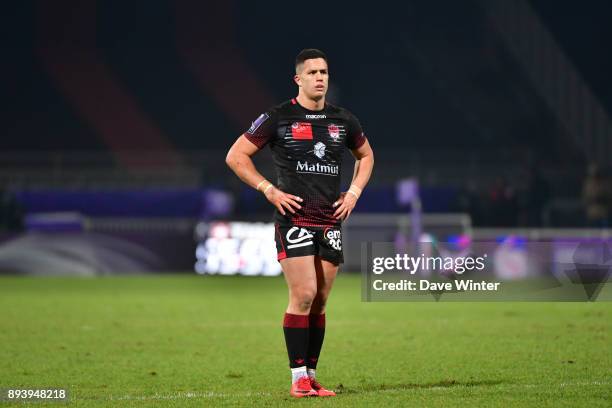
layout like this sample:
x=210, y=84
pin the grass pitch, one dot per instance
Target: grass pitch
x=217, y=341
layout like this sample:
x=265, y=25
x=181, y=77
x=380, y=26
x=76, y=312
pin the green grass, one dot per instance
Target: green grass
x=217, y=341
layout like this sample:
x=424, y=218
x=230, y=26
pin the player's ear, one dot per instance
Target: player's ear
x=296, y=78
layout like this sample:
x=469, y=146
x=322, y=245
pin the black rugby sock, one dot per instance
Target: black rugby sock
x=316, y=336
x=296, y=338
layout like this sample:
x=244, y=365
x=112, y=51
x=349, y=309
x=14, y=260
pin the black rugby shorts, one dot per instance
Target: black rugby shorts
x=326, y=242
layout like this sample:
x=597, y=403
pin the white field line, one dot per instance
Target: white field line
x=189, y=395
x=213, y=394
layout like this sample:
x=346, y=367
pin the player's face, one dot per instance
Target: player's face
x=313, y=78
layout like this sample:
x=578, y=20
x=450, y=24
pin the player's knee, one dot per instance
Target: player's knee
x=304, y=297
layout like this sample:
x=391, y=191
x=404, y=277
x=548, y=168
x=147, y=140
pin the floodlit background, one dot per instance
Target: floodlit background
x=117, y=117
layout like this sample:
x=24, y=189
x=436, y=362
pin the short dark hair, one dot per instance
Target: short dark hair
x=309, y=53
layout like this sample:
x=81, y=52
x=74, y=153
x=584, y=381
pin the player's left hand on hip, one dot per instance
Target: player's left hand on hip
x=345, y=205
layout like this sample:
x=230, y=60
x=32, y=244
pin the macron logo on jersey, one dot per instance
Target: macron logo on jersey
x=316, y=116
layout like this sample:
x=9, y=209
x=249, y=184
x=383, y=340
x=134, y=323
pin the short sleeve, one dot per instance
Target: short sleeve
x=262, y=130
x=354, y=135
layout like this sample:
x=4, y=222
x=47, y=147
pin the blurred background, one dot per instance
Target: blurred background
x=488, y=119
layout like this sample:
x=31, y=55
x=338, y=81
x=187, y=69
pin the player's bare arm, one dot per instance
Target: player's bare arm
x=364, y=163
x=239, y=160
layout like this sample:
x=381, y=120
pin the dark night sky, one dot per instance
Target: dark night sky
x=584, y=31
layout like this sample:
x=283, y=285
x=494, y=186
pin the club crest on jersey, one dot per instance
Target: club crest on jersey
x=334, y=131
x=301, y=131
x=319, y=150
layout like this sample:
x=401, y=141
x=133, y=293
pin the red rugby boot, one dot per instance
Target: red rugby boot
x=302, y=388
x=321, y=391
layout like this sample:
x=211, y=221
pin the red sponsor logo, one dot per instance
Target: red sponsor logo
x=301, y=131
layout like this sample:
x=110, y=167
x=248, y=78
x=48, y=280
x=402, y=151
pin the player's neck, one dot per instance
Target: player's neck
x=311, y=104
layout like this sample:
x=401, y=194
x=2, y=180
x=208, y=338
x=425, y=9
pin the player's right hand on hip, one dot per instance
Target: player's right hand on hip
x=282, y=200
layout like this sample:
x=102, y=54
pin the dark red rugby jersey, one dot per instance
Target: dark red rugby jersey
x=307, y=148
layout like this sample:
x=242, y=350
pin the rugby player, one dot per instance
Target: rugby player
x=307, y=137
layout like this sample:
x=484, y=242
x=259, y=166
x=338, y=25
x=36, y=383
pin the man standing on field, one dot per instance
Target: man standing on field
x=307, y=137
